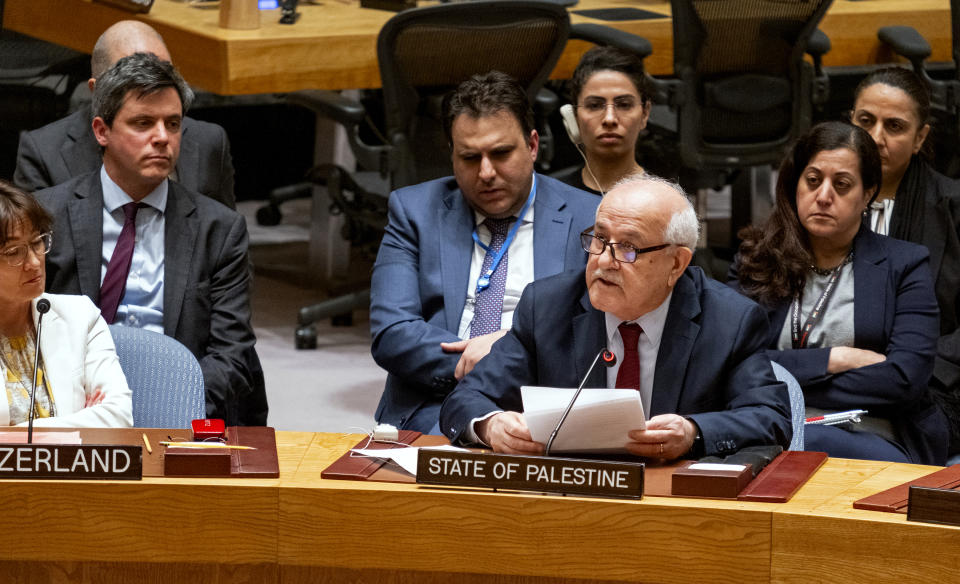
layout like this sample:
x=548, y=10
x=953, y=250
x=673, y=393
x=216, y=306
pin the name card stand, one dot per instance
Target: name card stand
x=239, y=14
x=391, y=5
x=931, y=505
x=71, y=461
x=567, y=476
x=135, y=6
x=714, y=481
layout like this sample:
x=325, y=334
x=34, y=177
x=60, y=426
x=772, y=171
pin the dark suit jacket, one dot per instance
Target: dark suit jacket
x=67, y=148
x=941, y=236
x=894, y=313
x=420, y=284
x=206, y=284
x=711, y=365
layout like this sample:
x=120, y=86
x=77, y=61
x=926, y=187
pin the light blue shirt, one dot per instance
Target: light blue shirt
x=648, y=348
x=142, y=302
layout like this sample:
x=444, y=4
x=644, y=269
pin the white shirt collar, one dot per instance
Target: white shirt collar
x=115, y=197
x=652, y=323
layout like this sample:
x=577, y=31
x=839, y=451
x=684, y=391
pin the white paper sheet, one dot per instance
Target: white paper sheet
x=406, y=458
x=716, y=466
x=598, y=422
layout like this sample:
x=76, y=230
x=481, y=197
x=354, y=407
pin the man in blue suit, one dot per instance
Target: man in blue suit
x=693, y=349
x=458, y=251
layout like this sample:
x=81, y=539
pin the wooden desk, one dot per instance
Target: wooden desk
x=334, y=44
x=300, y=528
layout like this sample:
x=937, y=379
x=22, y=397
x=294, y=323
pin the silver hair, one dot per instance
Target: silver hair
x=143, y=73
x=684, y=226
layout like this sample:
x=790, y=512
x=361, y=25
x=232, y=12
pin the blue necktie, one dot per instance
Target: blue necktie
x=489, y=308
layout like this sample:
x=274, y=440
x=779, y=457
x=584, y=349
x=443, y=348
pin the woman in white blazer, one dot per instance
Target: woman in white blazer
x=80, y=383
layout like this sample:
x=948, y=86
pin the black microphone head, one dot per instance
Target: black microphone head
x=43, y=305
x=608, y=358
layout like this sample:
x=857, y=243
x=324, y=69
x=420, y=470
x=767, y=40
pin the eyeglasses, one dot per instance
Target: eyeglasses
x=622, y=252
x=15, y=256
x=595, y=106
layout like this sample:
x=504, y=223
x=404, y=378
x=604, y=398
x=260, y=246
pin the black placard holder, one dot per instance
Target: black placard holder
x=71, y=461
x=567, y=476
x=135, y=6
x=931, y=505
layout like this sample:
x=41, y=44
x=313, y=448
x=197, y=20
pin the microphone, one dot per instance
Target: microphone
x=43, y=305
x=609, y=360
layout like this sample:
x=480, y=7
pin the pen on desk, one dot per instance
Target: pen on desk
x=206, y=445
x=837, y=418
x=146, y=442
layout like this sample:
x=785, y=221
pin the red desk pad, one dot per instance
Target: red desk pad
x=259, y=463
x=775, y=484
x=896, y=499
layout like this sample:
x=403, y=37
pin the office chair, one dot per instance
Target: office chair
x=36, y=81
x=741, y=90
x=164, y=376
x=423, y=54
x=944, y=93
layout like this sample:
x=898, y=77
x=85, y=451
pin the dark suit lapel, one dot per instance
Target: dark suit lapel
x=936, y=231
x=679, y=334
x=551, y=229
x=180, y=240
x=85, y=210
x=455, y=219
x=188, y=163
x=589, y=336
x=870, y=269
x=81, y=152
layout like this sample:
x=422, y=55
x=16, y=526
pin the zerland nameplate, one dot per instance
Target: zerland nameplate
x=530, y=473
x=71, y=461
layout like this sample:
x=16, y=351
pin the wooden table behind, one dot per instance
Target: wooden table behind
x=300, y=528
x=333, y=46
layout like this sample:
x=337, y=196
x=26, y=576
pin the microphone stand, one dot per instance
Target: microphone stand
x=43, y=305
x=609, y=359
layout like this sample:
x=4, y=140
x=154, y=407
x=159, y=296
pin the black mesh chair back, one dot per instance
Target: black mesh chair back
x=746, y=90
x=426, y=52
x=26, y=104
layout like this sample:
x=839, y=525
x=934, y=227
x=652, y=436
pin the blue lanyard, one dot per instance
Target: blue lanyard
x=483, y=282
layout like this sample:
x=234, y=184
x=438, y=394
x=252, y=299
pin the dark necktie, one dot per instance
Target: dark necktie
x=115, y=280
x=489, y=308
x=628, y=376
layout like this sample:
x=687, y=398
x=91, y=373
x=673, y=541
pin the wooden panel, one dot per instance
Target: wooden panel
x=880, y=549
x=333, y=46
x=418, y=529
x=140, y=520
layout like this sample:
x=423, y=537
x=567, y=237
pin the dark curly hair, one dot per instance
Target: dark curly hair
x=774, y=259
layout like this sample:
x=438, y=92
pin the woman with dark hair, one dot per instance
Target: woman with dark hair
x=918, y=204
x=611, y=105
x=79, y=382
x=853, y=314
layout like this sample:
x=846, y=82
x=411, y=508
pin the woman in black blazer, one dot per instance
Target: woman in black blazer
x=853, y=314
x=916, y=203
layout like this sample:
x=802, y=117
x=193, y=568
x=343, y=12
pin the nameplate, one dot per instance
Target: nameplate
x=530, y=473
x=71, y=461
x=931, y=505
x=136, y=6
x=391, y=5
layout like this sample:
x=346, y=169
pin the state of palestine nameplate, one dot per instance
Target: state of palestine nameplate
x=71, y=461
x=569, y=476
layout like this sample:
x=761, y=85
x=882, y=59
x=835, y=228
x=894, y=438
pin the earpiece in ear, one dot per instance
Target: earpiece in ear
x=569, y=117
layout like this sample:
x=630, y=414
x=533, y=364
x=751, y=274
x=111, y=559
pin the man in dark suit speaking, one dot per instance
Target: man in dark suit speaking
x=691, y=346
x=151, y=253
x=67, y=148
x=458, y=251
